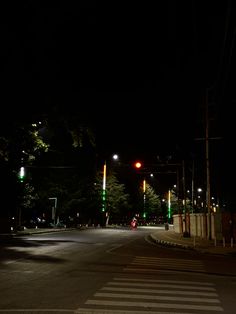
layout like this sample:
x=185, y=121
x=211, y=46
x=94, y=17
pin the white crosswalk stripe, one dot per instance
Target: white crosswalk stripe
x=147, y=296
x=154, y=264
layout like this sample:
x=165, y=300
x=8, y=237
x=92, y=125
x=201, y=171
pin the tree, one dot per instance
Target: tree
x=26, y=203
x=19, y=146
x=153, y=202
x=150, y=203
x=174, y=202
x=117, y=200
x=54, y=141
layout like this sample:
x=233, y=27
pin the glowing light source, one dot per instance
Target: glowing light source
x=144, y=198
x=144, y=186
x=22, y=174
x=104, y=187
x=169, y=205
x=115, y=157
x=138, y=164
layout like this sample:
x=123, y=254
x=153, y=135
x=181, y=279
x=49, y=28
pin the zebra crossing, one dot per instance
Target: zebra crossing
x=154, y=264
x=129, y=294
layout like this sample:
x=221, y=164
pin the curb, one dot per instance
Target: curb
x=184, y=246
x=170, y=244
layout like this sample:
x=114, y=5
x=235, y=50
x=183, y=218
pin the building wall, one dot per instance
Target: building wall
x=223, y=225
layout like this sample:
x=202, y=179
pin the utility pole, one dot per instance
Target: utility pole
x=207, y=159
x=193, y=186
x=184, y=187
x=208, y=187
x=186, y=223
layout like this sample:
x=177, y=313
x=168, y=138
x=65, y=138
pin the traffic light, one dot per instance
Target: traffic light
x=137, y=164
x=22, y=174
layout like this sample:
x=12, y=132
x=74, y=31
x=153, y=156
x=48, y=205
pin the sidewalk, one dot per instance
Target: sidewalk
x=174, y=239
x=29, y=231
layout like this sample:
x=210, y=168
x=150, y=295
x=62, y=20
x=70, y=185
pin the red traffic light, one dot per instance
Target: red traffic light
x=138, y=164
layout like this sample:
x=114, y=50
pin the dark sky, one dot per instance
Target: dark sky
x=138, y=72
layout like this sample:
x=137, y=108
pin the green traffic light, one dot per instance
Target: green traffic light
x=22, y=174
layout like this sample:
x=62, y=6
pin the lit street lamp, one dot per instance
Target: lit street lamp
x=104, y=187
x=104, y=190
x=169, y=206
x=144, y=198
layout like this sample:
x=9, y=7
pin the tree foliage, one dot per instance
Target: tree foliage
x=39, y=146
x=117, y=203
x=153, y=202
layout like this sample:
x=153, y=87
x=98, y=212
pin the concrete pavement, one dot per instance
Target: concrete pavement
x=164, y=237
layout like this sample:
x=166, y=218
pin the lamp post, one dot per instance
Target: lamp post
x=144, y=198
x=169, y=205
x=199, y=200
x=104, y=187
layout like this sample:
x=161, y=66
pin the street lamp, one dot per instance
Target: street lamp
x=115, y=157
x=104, y=187
x=169, y=205
x=144, y=198
x=200, y=202
x=104, y=190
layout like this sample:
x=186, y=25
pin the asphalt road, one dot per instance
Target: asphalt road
x=110, y=271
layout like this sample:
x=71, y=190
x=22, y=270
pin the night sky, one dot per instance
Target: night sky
x=137, y=72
